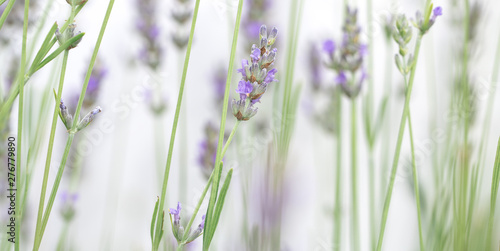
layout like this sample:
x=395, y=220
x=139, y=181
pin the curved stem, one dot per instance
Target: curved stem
x=51, y=145
x=402, y=125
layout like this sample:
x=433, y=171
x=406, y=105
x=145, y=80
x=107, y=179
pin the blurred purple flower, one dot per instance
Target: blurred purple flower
x=329, y=46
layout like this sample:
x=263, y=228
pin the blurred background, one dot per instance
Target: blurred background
x=114, y=173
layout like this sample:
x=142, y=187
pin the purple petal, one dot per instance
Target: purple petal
x=329, y=46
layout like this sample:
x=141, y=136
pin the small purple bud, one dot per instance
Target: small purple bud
x=438, y=11
x=341, y=78
x=329, y=46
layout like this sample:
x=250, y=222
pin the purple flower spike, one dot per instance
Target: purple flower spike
x=329, y=46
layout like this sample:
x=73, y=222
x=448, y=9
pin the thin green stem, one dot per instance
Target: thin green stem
x=183, y=151
x=202, y=197
x=53, y=193
x=338, y=189
x=62, y=237
x=230, y=138
x=159, y=222
x=72, y=131
x=354, y=178
x=464, y=170
x=20, y=121
x=415, y=183
x=51, y=145
x=493, y=197
x=218, y=159
x=402, y=125
x=6, y=12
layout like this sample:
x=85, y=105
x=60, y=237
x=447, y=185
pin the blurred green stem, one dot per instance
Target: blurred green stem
x=6, y=12
x=338, y=188
x=354, y=178
x=415, y=183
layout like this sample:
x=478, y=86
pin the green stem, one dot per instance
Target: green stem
x=398, y=145
x=354, y=178
x=183, y=151
x=20, y=120
x=50, y=203
x=62, y=237
x=415, y=183
x=53, y=193
x=213, y=193
x=51, y=145
x=6, y=12
x=338, y=189
x=202, y=197
x=464, y=170
x=159, y=222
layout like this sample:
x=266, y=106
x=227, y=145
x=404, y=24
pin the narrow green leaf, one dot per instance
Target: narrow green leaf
x=220, y=205
x=494, y=193
x=153, y=220
x=44, y=48
x=59, y=50
x=212, y=203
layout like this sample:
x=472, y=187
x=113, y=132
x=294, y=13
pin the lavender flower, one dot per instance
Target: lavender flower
x=315, y=67
x=347, y=60
x=67, y=118
x=402, y=35
x=178, y=230
x=198, y=231
x=147, y=25
x=67, y=35
x=420, y=21
x=68, y=201
x=97, y=76
x=181, y=14
x=219, y=82
x=256, y=75
x=208, y=150
x=76, y=2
